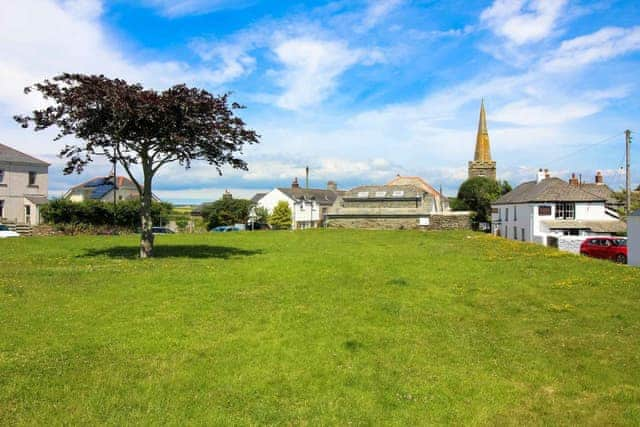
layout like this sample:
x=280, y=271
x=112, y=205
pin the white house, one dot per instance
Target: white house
x=544, y=210
x=23, y=186
x=308, y=205
x=633, y=240
x=102, y=188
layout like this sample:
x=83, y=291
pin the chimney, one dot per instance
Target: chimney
x=295, y=184
x=331, y=185
x=227, y=195
x=540, y=176
x=306, y=182
x=547, y=174
x=574, y=180
x=599, y=178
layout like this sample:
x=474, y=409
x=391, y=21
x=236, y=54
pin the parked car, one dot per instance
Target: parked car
x=224, y=229
x=613, y=248
x=258, y=226
x=5, y=232
x=162, y=230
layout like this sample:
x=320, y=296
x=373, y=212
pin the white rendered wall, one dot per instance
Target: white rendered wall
x=633, y=241
x=15, y=185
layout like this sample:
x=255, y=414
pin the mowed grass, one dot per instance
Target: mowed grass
x=318, y=327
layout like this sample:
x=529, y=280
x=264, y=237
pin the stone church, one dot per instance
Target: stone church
x=482, y=164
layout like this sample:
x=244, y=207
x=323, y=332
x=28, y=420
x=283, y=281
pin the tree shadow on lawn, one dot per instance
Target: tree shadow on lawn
x=174, y=251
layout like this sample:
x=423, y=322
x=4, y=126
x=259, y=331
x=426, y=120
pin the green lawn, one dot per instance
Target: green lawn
x=319, y=327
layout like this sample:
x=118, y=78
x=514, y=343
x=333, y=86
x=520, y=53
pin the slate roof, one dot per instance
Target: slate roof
x=37, y=200
x=417, y=182
x=601, y=190
x=8, y=154
x=102, y=185
x=605, y=226
x=323, y=197
x=256, y=197
x=374, y=192
x=548, y=190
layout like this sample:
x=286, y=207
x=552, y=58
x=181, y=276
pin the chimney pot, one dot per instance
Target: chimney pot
x=574, y=180
x=599, y=178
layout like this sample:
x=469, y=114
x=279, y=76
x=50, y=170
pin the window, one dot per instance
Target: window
x=544, y=210
x=522, y=230
x=515, y=213
x=1, y=208
x=32, y=178
x=515, y=233
x=363, y=194
x=1, y=175
x=565, y=210
x=506, y=215
x=398, y=193
x=381, y=193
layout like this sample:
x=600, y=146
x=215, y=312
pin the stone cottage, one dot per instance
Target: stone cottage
x=392, y=207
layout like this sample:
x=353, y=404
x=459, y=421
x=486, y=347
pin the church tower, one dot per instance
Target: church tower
x=482, y=165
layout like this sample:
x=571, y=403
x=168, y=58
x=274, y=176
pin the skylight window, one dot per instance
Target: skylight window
x=381, y=193
x=363, y=194
x=398, y=193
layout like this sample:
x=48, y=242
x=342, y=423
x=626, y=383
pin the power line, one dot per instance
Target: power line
x=585, y=147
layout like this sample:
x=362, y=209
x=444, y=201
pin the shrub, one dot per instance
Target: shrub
x=93, y=213
x=280, y=218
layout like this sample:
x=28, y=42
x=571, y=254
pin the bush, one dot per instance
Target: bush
x=280, y=218
x=93, y=213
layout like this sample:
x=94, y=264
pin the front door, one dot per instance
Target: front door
x=27, y=214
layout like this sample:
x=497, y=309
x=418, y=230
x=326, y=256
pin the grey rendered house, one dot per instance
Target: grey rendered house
x=23, y=186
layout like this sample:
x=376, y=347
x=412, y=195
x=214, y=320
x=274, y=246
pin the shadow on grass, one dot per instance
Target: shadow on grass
x=174, y=251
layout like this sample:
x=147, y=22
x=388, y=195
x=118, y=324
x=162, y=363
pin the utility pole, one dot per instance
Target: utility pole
x=115, y=190
x=627, y=134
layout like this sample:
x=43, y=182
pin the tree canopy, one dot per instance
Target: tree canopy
x=142, y=129
x=226, y=211
x=476, y=194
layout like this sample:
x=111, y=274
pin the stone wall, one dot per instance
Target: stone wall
x=436, y=222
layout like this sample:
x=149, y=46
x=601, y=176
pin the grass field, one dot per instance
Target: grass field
x=319, y=327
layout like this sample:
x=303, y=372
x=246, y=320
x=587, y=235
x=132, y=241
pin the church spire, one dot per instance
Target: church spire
x=482, y=165
x=483, y=148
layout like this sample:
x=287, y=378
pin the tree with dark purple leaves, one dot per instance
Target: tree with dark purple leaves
x=140, y=128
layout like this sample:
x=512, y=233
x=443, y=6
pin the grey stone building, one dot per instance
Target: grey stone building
x=392, y=207
x=23, y=186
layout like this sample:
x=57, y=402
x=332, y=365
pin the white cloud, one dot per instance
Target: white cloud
x=523, y=21
x=602, y=45
x=311, y=69
x=177, y=8
x=376, y=11
x=43, y=38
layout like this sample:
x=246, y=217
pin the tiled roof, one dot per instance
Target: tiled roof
x=600, y=190
x=323, y=197
x=415, y=181
x=548, y=190
x=8, y=154
x=605, y=226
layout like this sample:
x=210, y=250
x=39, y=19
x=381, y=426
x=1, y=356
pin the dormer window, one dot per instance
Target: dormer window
x=32, y=178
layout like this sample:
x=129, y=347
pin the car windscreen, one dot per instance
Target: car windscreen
x=4, y=228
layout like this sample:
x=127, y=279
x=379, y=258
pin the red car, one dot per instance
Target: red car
x=613, y=248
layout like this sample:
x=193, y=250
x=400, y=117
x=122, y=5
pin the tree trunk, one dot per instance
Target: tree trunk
x=146, y=239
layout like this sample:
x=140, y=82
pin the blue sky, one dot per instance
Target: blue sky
x=359, y=90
